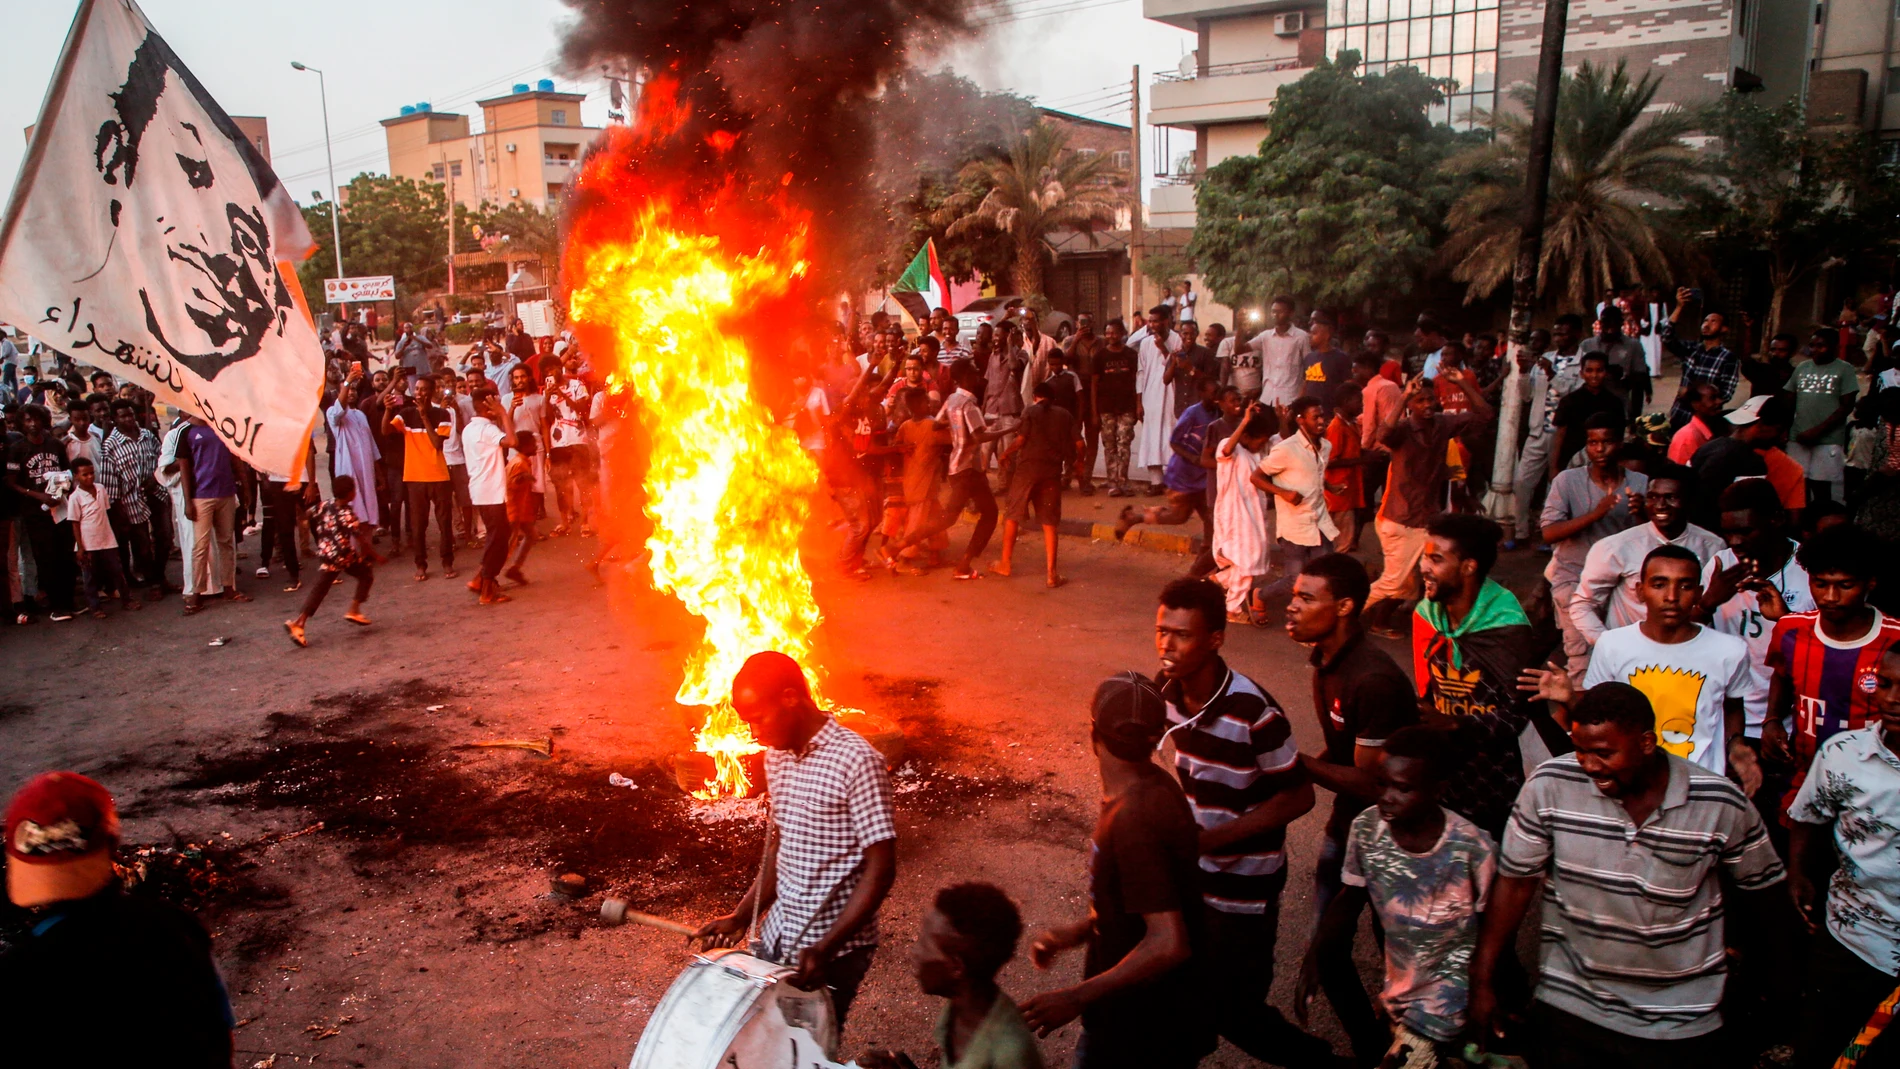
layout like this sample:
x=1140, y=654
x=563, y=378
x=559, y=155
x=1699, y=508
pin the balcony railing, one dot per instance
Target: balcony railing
x=1219, y=70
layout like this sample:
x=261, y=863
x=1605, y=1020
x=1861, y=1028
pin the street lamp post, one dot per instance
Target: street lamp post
x=336, y=228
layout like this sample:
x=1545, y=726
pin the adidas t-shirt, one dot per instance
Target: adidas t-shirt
x=1686, y=682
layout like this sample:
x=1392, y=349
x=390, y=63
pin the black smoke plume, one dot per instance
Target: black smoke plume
x=799, y=80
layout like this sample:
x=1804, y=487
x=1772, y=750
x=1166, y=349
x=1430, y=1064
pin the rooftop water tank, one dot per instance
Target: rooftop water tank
x=423, y=106
x=407, y=109
x=545, y=85
x=520, y=87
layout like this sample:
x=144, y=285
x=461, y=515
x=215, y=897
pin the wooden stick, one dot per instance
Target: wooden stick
x=650, y=921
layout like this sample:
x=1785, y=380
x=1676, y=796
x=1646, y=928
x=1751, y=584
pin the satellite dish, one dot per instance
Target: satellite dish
x=1190, y=64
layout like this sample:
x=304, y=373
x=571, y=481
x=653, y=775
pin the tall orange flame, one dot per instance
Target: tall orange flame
x=728, y=489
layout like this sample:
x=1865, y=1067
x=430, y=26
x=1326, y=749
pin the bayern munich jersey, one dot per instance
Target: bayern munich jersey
x=1833, y=682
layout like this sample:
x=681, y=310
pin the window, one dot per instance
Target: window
x=440, y=171
x=455, y=168
x=1456, y=39
x=560, y=116
x=1124, y=159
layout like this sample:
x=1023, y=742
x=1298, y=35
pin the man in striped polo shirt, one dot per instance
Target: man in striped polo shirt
x=1632, y=840
x=1240, y=768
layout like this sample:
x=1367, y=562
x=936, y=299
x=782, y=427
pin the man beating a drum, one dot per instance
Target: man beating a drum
x=836, y=855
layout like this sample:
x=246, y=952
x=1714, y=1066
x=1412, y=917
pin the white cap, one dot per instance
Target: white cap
x=1750, y=410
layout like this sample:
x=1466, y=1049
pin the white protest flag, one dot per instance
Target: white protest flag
x=147, y=236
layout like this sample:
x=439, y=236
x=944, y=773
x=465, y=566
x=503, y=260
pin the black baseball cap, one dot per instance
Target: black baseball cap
x=1129, y=714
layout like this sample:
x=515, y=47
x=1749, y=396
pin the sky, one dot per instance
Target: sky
x=378, y=55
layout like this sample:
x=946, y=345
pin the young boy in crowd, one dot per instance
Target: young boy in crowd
x=521, y=495
x=969, y=934
x=96, y=548
x=343, y=547
x=1241, y=547
x=1427, y=872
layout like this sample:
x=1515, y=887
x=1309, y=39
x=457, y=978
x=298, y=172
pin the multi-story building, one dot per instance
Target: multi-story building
x=526, y=152
x=1248, y=50
x=1848, y=65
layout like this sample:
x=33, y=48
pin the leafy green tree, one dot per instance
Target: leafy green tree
x=1796, y=197
x=1344, y=199
x=1614, y=171
x=1032, y=188
x=391, y=226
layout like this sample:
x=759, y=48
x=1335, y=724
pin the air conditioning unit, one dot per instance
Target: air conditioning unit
x=1289, y=24
x=514, y=192
x=511, y=146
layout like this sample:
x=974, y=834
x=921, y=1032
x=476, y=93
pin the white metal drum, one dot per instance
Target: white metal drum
x=730, y=1010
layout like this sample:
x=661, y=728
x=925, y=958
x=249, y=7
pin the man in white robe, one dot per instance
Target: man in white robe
x=1157, y=345
x=356, y=452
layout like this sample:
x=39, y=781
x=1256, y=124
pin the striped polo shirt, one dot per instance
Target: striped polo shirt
x=1632, y=916
x=1234, y=755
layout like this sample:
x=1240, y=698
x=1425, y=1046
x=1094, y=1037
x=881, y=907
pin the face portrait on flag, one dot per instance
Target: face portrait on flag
x=228, y=296
x=147, y=236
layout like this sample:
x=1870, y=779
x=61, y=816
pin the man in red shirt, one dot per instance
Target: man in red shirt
x=1345, y=470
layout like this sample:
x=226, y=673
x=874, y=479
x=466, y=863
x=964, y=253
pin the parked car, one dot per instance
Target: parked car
x=984, y=310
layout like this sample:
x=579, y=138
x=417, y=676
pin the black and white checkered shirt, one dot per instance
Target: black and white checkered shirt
x=831, y=801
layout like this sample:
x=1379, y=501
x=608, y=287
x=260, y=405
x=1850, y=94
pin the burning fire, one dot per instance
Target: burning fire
x=655, y=263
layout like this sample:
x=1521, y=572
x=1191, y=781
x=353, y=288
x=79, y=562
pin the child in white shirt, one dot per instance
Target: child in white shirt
x=93, y=540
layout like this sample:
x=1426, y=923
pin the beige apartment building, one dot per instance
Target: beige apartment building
x=530, y=143
x=1838, y=55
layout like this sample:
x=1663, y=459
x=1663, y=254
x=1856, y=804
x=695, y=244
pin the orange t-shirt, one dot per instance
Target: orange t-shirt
x=1345, y=487
x=1788, y=478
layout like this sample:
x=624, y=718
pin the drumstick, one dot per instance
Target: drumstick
x=651, y=921
x=615, y=911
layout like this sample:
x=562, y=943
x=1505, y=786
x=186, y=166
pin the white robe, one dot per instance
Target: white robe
x=1242, y=546
x=184, y=529
x=1157, y=402
x=356, y=456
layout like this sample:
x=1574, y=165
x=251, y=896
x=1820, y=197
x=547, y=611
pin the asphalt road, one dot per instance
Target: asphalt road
x=414, y=928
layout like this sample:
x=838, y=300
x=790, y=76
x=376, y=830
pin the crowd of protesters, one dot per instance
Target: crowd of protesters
x=102, y=491
x=1683, y=746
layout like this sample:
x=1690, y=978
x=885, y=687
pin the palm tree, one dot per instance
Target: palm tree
x=1030, y=188
x=1612, y=173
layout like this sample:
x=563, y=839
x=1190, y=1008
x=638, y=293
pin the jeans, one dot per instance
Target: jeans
x=159, y=504
x=135, y=547
x=1338, y=976
x=424, y=497
x=283, y=508
x=495, y=549
x=860, y=507
x=1533, y=469
x=214, y=528
x=314, y=600
x=1293, y=559
x=1576, y=647
x=1239, y=970
x=464, y=510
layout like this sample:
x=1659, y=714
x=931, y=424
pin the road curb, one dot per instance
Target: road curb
x=1139, y=537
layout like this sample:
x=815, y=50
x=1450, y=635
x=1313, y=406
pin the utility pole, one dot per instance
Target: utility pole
x=1134, y=172
x=451, y=236
x=1501, y=502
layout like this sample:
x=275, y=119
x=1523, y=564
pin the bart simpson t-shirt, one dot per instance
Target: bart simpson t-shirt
x=1686, y=682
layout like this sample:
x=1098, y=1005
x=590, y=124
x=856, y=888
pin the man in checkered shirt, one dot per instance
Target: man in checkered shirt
x=837, y=840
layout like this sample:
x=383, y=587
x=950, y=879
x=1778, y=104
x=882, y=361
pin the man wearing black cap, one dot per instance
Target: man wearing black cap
x=1138, y=1001
x=106, y=978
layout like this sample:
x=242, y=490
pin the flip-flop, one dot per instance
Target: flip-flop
x=965, y=576
x=1060, y=580
x=291, y=629
x=360, y=621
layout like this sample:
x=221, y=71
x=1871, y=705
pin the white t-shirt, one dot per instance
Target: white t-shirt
x=1741, y=616
x=88, y=513
x=1686, y=682
x=487, y=469
x=811, y=433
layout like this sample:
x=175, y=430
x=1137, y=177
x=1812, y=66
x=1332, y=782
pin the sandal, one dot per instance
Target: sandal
x=296, y=633
x=494, y=599
x=357, y=618
x=237, y=595
x=98, y=614
x=422, y=574
x=295, y=585
x=193, y=607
